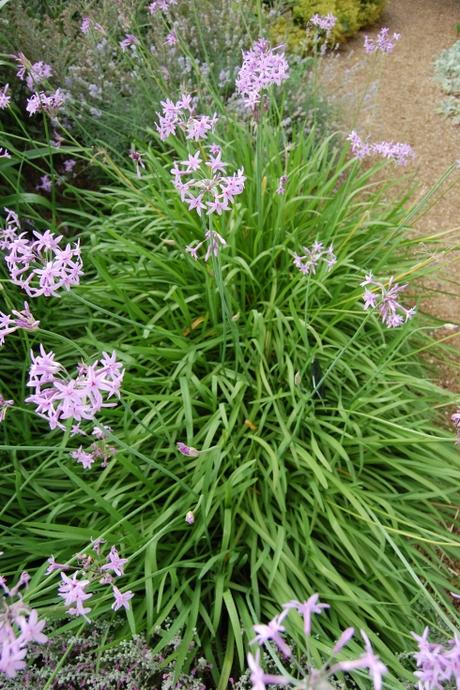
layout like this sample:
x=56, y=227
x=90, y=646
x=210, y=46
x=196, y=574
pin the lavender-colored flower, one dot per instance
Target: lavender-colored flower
x=282, y=184
x=307, y=609
x=45, y=184
x=188, y=451
x=54, y=567
x=262, y=67
x=39, y=266
x=259, y=678
x=385, y=300
x=69, y=165
x=4, y=97
x=73, y=591
x=84, y=458
x=85, y=25
x=190, y=517
x=272, y=632
x=121, y=598
x=115, y=562
x=180, y=116
x=161, y=6
x=128, y=41
x=49, y=103
x=307, y=263
x=397, y=152
x=343, y=640
x=324, y=22
x=171, y=39
x=4, y=153
x=383, y=43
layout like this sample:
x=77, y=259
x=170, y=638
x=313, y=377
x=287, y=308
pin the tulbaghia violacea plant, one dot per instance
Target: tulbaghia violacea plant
x=324, y=22
x=40, y=266
x=5, y=98
x=311, y=678
x=59, y=396
x=92, y=569
x=161, y=6
x=180, y=116
x=308, y=263
x=438, y=665
x=395, y=151
x=205, y=188
x=384, y=43
x=19, y=626
x=99, y=450
x=9, y=323
x=262, y=67
x=385, y=300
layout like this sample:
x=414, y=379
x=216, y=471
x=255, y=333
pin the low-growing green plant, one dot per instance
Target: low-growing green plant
x=447, y=69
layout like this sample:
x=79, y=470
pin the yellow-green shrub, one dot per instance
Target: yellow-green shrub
x=352, y=15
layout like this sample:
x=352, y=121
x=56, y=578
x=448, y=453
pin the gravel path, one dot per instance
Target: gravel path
x=403, y=108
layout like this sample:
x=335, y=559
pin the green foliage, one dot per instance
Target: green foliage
x=348, y=488
x=447, y=69
x=352, y=15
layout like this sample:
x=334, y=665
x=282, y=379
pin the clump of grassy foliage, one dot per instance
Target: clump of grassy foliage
x=322, y=467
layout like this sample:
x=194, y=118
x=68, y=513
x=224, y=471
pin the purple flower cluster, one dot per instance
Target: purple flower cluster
x=384, y=43
x=207, y=188
x=324, y=22
x=4, y=97
x=87, y=24
x=161, y=6
x=180, y=115
x=282, y=182
x=314, y=677
x=98, y=450
x=385, y=300
x=91, y=568
x=128, y=41
x=188, y=451
x=456, y=421
x=58, y=396
x=19, y=626
x=438, y=666
x=32, y=73
x=308, y=262
x=39, y=266
x=262, y=67
x=48, y=103
x=9, y=323
x=397, y=152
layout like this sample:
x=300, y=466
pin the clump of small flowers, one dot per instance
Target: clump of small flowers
x=180, y=115
x=91, y=568
x=282, y=182
x=100, y=449
x=5, y=98
x=40, y=266
x=324, y=22
x=397, y=152
x=308, y=263
x=161, y=6
x=32, y=73
x=437, y=665
x=19, y=627
x=384, y=43
x=203, y=185
x=273, y=631
x=130, y=40
x=9, y=323
x=262, y=67
x=49, y=103
x=385, y=299
x=456, y=421
x=59, y=396
x=45, y=184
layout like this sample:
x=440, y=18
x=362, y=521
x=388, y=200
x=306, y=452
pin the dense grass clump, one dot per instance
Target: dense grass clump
x=322, y=464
